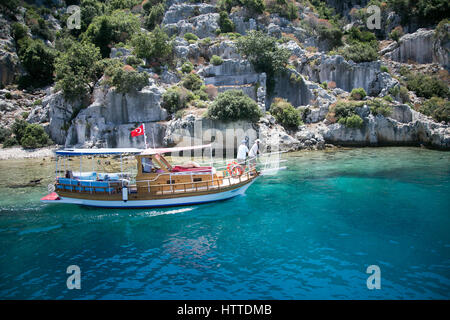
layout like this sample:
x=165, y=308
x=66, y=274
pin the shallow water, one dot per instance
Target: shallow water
x=308, y=233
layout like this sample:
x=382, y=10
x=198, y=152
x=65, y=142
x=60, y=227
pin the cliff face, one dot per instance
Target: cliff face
x=314, y=80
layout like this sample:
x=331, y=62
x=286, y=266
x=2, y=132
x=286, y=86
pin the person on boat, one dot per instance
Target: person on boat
x=242, y=153
x=69, y=174
x=253, y=153
x=147, y=165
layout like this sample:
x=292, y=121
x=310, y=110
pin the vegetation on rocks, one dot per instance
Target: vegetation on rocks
x=437, y=108
x=358, y=94
x=29, y=136
x=233, y=105
x=285, y=113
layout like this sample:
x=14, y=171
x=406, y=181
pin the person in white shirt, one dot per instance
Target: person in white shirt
x=242, y=153
x=254, y=151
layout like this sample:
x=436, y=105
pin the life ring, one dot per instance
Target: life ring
x=234, y=169
x=230, y=167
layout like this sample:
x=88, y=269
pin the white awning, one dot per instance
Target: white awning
x=105, y=151
x=151, y=151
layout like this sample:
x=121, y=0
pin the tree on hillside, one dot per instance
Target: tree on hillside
x=263, y=53
x=106, y=30
x=78, y=69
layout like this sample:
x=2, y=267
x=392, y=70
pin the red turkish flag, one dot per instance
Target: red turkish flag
x=138, y=131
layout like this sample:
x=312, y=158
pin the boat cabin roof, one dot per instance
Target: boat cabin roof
x=135, y=151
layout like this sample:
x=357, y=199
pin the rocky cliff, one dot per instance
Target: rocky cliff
x=313, y=81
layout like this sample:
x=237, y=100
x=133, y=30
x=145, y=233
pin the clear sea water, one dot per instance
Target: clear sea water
x=308, y=233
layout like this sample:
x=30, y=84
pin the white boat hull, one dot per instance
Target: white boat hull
x=168, y=202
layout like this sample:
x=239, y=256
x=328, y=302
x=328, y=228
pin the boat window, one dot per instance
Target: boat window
x=148, y=165
x=197, y=179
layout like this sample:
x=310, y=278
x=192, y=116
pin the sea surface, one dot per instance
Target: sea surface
x=309, y=232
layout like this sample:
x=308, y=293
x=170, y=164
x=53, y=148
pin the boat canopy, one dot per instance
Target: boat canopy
x=87, y=152
x=106, y=151
x=152, y=151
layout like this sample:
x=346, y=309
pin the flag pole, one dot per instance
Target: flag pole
x=145, y=137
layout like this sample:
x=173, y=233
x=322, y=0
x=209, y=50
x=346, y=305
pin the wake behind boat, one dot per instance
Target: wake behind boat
x=156, y=184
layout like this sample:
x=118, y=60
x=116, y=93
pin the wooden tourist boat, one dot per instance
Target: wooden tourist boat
x=156, y=184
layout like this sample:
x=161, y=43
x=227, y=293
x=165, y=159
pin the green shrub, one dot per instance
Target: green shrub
x=180, y=114
x=10, y=142
x=77, y=69
x=190, y=36
x=360, y=52
x=18, y=31
x=264, y=54
x=284, y=8
x=345, y=114
x=154, y=46
x=233, y=105
x=127, y=79
x=134, y=61
x=437, y=108
x=176, y=98
x=384, y=69
x=331, y=34
x=18, y=128
x=38, y=60
x=285, y=113
x=155, y=16
x=187, y=67
x=396, y=33
x=216, y=60
x=225, y=23
x=34, y=136
x=106, y=30
x=353, y=121
x=426, y=86
x=5, y=133
x=358, y=94
x=192, y=82
x=201, y=94
x=380, y=107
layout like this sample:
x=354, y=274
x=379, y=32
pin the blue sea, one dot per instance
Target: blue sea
x=309, y=232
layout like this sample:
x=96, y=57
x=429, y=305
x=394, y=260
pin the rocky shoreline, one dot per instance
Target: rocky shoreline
x=315, y=80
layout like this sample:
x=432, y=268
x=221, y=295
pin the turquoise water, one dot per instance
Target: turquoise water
x=308, y=233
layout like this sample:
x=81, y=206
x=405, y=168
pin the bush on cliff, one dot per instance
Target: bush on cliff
x=426, y=86
x=353, y=121
x=285, y=113
x=345, y=114
x=358, y=94
x=126, y=79
x=380, y=107
x=216, y=60
x=192, y=82
x=106, y=30
x=34, y=136
x=264, y=54
x=187, y=67
x=153, y=46
x=176, y=98
x=437, y=108
x=225, y=23
x=38, y=60
x=233, y=105
x=78, y=69
x=155, y=16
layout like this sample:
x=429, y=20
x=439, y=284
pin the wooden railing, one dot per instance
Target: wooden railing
x=145, y=186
